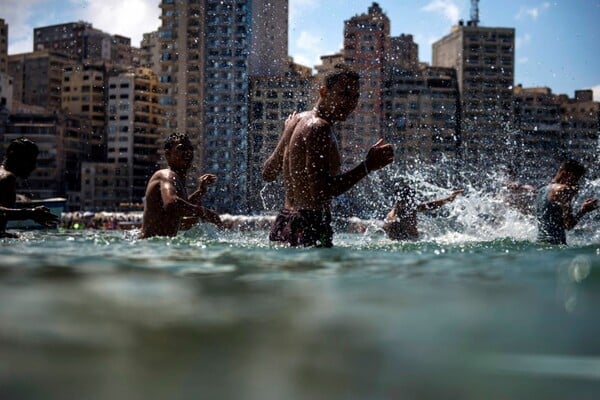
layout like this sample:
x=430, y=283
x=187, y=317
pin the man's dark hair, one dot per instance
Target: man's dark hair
x=21, y=147
x=175, y=138
x=339, y=71
x=574, y=167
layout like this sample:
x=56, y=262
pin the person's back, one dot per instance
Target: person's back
x=304, y=192
x=549, y=213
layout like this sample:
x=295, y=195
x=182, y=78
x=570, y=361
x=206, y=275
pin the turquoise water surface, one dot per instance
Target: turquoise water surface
x=226, y=315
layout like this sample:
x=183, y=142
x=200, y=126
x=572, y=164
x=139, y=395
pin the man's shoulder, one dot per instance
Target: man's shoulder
x=160, y=175
x=7, y=177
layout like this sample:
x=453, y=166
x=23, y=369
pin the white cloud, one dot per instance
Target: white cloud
x=297, y=8
x=596, y=90
x=522, y=60
x=309, y=49
x=532, y=12
x=523, y=41
x=130, y=18
x=447, y=8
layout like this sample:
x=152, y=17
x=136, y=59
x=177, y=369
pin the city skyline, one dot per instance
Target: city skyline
x=554, y=41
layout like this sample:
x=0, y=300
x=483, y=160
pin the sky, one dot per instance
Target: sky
x=557, y=42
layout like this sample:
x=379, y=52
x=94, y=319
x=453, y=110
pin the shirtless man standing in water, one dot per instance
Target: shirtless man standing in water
x=308, y=156
x=19, y=162
x=168, y=207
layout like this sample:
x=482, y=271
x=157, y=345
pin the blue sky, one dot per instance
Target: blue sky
x=556, y=46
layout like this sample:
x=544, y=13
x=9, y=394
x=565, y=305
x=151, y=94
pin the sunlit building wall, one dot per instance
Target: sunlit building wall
x=150, y=52
x=83, y=94
x=134, y=127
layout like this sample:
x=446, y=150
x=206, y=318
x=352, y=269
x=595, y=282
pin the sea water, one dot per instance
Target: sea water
x=474, y=310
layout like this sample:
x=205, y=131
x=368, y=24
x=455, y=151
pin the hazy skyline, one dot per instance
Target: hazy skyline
x=556, y=42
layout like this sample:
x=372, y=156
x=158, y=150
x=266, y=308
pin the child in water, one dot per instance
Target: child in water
x=401, y=221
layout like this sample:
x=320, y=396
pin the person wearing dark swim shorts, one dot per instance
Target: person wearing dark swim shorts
x=303, y=228
x=308, y=157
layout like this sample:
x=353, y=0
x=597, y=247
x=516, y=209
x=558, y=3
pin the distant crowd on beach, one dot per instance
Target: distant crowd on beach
x=308, y=160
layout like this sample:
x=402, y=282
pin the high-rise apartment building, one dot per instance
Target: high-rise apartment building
x=422, y=113
x=538, y=136
x=366, y=47
x=134, y=121
x=133, y=131
x=150, y=52
x=205, y=63
x=83, y=95
x=484, y=59
x=82, y=42
x=403, y=52
x=37, y=78
x=3, y=47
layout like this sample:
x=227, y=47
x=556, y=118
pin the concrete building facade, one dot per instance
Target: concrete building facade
x=484, y=61
x=37, y=78
x=82, y=42
x=422, y=114
x=83, y=94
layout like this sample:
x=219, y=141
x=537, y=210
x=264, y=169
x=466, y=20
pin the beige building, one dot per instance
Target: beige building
x=484, y=61
x=150, y=52
x=83, y=95
x=37, y=78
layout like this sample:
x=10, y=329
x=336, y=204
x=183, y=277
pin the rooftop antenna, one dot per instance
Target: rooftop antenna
x=474, y=13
